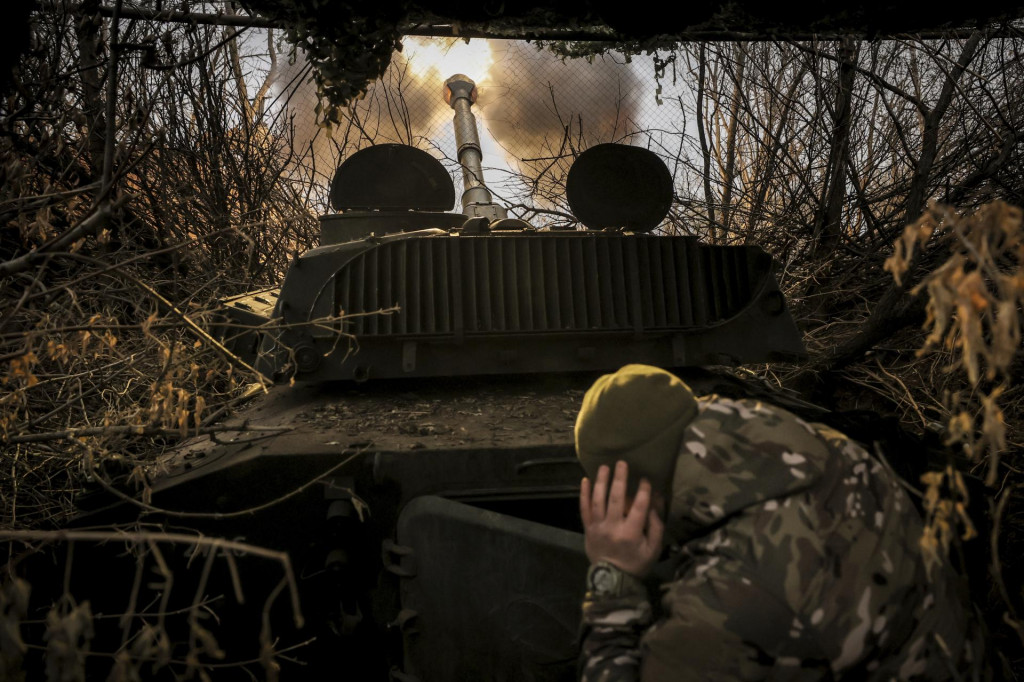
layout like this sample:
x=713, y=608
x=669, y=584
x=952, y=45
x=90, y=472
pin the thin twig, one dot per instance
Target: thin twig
x=150, y=538
x=249, y=511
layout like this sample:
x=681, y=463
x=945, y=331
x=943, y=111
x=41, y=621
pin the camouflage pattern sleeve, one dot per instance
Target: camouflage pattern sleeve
x=611, y=638
x=722, y=626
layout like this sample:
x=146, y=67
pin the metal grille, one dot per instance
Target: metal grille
x=546, y=284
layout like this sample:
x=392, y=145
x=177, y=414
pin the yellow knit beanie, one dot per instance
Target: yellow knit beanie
x=638, y=414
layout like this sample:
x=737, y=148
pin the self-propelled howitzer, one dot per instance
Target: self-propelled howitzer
x=476, y=293
x=421, y=479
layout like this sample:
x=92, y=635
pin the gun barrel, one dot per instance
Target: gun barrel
x=460, y=93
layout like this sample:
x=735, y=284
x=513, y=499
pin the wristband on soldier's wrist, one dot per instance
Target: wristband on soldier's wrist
x=608, y=581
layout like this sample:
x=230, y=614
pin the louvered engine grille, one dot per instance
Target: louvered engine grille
x=547, y=283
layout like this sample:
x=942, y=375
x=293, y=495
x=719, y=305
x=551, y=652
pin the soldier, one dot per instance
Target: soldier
x=792, y=553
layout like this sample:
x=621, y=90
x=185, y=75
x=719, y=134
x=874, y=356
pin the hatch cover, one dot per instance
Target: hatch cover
x=620, y=187
x=496, y=597
x=390, y=177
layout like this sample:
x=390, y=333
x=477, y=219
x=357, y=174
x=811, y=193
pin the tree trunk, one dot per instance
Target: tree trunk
x=891, y=312
x=90, y=56
x=828, y=232
x=702, y=61
x=729, y=172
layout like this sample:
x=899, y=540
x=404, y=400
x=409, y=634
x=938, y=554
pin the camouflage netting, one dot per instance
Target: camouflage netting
x=124, y=219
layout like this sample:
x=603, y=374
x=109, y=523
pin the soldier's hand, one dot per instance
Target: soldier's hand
x=628, y=536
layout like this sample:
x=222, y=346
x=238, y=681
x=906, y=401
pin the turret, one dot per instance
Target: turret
x=403, y=287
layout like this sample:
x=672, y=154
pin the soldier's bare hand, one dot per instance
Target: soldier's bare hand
x=626, y=535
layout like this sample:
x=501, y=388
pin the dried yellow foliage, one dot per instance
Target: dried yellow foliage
x=973, y=310
x=172, y=405
x=945, y=504
x=19, y=370
x=58, y=351
x=913, y=235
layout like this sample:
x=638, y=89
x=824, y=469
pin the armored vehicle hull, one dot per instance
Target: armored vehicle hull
x=432, y=528
x=403, y=504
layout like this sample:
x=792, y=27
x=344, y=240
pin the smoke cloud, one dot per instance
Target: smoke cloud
x=537, y=105
x=532, y=105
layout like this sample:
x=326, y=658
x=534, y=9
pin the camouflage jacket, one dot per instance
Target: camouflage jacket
x=795, y=557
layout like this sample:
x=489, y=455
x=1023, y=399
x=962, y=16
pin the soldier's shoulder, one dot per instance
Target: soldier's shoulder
x=757, y=421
